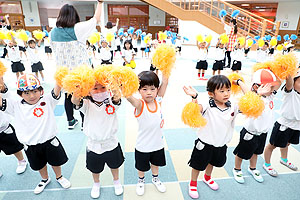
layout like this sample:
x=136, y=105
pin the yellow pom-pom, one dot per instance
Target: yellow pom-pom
x=8, y=35
x=98, y=35
x=285, y=44
x=103, y=74
x=208, y=38
x=125, y=79
x=162, y=36
x=80, y=81
x=110, y=37
x=132, y=64
x=224, y=39
x=147, y=39
x=285, y=65
x=2, y=35
x=249, y=42
x=164, y=58
x=200, y=38
x=279, y=47
x=2, y=69
x=251, y=105
x=93, y=38
x=22, y=35
x=242, y=40
x=235, y=89
x=38, y=34
x=273, y=42
x=60, y=74
x=261, y=42
x=265, y=65
x=192, y=117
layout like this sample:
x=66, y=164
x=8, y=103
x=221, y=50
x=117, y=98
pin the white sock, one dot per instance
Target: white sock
x=96, y=184
x=22, y=161
x=117, y=182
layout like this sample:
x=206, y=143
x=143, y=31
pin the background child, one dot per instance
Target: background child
x=101, y=126
x=238, y=57
x=178, y=44
x=202, y=56
x=253, y=135
x=128, y=54
x=149, y=150
x=34, y=57
x=48, y=50
x=104, y=53
x=210, y=146
x=91, y=52
x=286, y=129
x=134, y=40
x=219, y=58
x=262, y=53
x=118, y=45
x=143, y=44
x=41, y=144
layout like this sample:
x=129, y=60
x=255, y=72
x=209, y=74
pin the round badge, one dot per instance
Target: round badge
x=110, y=109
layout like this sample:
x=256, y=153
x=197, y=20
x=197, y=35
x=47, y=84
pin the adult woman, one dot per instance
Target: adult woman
x=231, y=31
x=68, y=41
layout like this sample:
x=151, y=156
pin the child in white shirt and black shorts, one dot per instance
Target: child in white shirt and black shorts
x=219, y=58
x=34, y=58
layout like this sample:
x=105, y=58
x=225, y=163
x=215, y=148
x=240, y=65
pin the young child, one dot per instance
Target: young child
x=101, y=126
x=262, y=53
x=253, y=135
x=149, y=150
x=22, y=48
x=34, y=58
x=219, y=58
x=48, y=50
x=135, y=38
x=286, y=129
x=202, y=56
x=238, y=57
x=40, y=142
x=152, y=67
x=118, y=45
x=210, y=146
x=143, y=44
x=104, y=53
x=91, y=52
x=169, y=40
x=128, y=54
x=9, y=143
x=178, y=44
x=148, y=46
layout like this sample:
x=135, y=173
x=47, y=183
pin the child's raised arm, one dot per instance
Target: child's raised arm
x=193, y=93
x=75, y=100
x=135, y=103
x=289, y=83
x=57, y=90
x=243, y=86
x=163, y=87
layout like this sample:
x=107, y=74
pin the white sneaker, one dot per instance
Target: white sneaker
x=65, y=183
x=118, y=189
x=140, y=187
x=22, y=165
x=238, y=176
x=256, y=175
x=270, y=170
x=158, y=184
x=289, y=165
x=95, y=192
x=41, y=186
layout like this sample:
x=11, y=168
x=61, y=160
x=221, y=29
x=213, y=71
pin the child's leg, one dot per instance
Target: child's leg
x=37, y=74
x=199, y=72
x=19, y=155
x=214, y=72
x=95, y=192
x=42, y=74
x=219, y=71
x=57, y=171
x=209, y=170
x=22, y=164
x=115, y=173
x=268, y=153
x=238, y=163
x=284, y=152
x=207, y=178
x=44, y=173
x=154, y=170
x=253, y=161
x=65, y=183
x=96, y=178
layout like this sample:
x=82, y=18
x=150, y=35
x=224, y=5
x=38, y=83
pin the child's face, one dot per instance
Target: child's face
x=221, y=95
x=202, y=45
x=98, y=88
x=11, y=43
x=297, y=85
x=32, y=45
x=134, y=36
x=148, y=93
x=127, y=46
x=221, y=45
x=32, y=96
x=264, y=47
x=104, y=44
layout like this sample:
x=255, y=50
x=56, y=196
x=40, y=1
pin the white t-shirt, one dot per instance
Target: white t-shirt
x=202, y=54
x=100, y=125
x=168, y=41
x=33, y=54
x=47, y=42
x=118, y=41
x=238, y=54
x=261, y=56
x=13, y=53
x=134, y=43
x=219, y=53
x=220, y=123
x=35, y=124
x=84, y=29
x=263, y=123
x=105, y=53
x=4, y=121
x=150, y=135
x=127, y=54
x=178, y=42
x=227, y=29
x=290, y=112
x=143, y=44
x=20, y=42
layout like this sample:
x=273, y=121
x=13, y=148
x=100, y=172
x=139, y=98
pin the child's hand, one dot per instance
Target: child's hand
x=190, y=91
x=2, y=86
x=264, y=89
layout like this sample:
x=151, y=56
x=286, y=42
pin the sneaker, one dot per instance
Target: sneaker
x=72, y=124
x=95, y=192
x=64, y=183
x=204, y=79
x=212, y=184
x=238, y=176
x=140, y=188
x=289, y=165
x=158, y=184
x=22, y=165
x=200, y=78
x=270, y=170
x=256, y=175
x=118, y=189
x=41, y=186
x=193, y=192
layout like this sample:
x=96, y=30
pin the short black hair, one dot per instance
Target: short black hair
x=148, y=78
x=129, y=42
x=109, y=25
x=68, y=17
x=31, y=42
x=216, y=82
x=266, y=43
x=19, y=92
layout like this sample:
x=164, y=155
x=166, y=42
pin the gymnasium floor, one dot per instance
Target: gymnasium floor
x=179, y=141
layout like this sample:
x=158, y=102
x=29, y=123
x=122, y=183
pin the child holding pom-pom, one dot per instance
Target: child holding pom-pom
x=210, y=146
x=262, y=53
x=286, y=129
x=202, y=56
x=104, y=53
x=101, y=126
x=219, y=58
x=253, y=135
x=238, y=56
x=128, y=54
x=149, y=150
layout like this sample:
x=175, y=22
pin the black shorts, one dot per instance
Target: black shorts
x=22, y=49
x=218, y=65
x=281, y=138
x=36, y=67
x=9, y=143
x=179, y=49
x=118, y=48
x=135, y=49
x=152, y=68
x=250, y=144
x=247, y=51
x=237, y=65
x=143, y=160
x=271, y=51
x=51, y=152
x=204, y=154
x=48, y=49
x=202, y=64
x=143, y=48
x=106, y=62
x=96, y=162
x=17, y=67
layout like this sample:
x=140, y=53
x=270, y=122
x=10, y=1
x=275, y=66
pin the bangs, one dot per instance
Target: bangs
x=148, y=78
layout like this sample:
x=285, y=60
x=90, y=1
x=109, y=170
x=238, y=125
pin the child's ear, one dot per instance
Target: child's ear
x=42, y=92
x=210, y=94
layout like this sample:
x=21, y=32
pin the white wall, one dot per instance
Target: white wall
x=288, y=12
x=156, y=15
x=31, y=12
x=43, y=16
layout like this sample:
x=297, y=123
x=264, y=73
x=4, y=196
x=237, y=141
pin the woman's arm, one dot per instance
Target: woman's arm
x=98, y=11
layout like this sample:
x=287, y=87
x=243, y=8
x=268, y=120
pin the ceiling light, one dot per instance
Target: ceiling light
x=261, y=9
x=245, y=4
